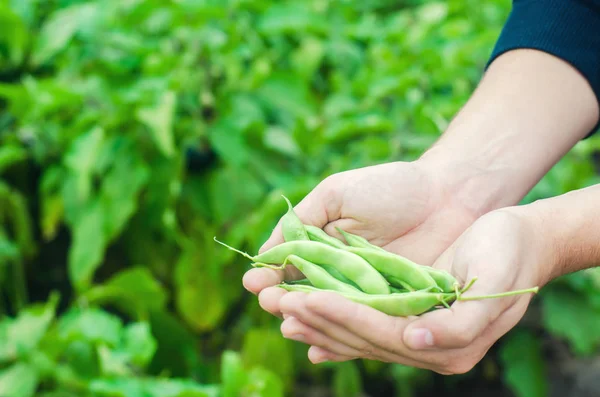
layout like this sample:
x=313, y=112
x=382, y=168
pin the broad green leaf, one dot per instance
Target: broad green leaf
x=60, y=28
x=92, y=325
x=233, y=374
x=140, y=387
x=13, y=34
x=139, y=344
x=119, y=193
x=284, y=93
x=263, y=383
x=10, y=155
x=365, y=124
x=82, y=356
x=176, y=345
x=290, y=18
x=228, y=141
x=281, y=141
x=87, y=249
x=159, y=120
x=52, y=208
x=570, y=315
x=19, y=380
x=266, y=348
x=80, y=160
x=347, y=380
x=140, y=284
x=524, y=366
x=21, y=336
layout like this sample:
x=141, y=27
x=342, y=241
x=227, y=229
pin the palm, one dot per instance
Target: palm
x=400, y=207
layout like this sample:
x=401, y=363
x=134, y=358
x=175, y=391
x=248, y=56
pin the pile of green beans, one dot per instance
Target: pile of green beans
x=360, y=271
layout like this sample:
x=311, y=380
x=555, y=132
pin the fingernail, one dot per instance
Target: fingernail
x=420, y=338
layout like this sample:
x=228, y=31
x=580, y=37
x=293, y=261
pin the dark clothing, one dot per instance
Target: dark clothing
x=567, y=29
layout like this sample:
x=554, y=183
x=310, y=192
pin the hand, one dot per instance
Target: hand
x=501, y=249
x=406, y=208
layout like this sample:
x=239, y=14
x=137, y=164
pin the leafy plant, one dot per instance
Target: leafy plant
x=133, y=132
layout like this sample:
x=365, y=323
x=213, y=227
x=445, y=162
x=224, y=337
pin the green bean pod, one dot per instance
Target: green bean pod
x=442, y=278
x=397, y=304
x=350, y=265
x=357, y=241
x=314, y=273
x=394, y=265
x=318, y=234
x=410, y=303
x=291, y=226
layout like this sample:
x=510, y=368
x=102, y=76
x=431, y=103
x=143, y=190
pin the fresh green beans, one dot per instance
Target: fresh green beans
x=408, y=303
x=442, y=278
x=318, y=234
x=360, y=271
x=396, y=266
x=292, y=227
x=352, y=266
x=357, y=241
x=314, y=273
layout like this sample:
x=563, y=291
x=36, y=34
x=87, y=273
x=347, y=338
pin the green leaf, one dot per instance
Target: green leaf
x=80, y=160
x=281, y=141
x=21, y=336
x=233, y=375
x=140, y=387
x=263, y=383
x=92, y=325
x=59, y=29
x=10, y=155
x=139, y=283
x=228, y=141
x=266, y=348
x=524, y=366
x=13, y=34
x=119, y=192
x=87, y=249
x=364, y=124
x=19, y=380
x=52, y=208
x=571, y=316
x=139, y=344
x=347, y=381
x=159, y=120
x=291, y=18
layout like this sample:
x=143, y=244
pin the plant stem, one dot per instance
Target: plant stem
x=533, y=290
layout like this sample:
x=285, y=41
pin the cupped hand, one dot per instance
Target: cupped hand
x=405, y=207
x=501, y=249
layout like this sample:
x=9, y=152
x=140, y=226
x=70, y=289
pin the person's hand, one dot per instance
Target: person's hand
x=407, y=208
x=502, y=249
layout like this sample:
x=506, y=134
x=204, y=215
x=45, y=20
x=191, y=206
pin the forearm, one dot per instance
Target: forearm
x=567, y=229
x=528, y=111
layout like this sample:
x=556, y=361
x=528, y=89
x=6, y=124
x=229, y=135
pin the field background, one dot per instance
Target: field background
x=133, y=131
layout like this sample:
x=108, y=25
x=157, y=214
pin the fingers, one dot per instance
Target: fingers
x=293, y=329
x=255, y=280
x=363, y=321
x=319, y=207
x=318, y=355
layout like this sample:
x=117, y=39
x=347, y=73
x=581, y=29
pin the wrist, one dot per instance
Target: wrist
x=477, y=179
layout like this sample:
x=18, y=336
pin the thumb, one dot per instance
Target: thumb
x=456, y=327
x=319, y=207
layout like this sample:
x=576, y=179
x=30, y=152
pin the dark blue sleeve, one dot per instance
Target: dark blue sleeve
x=567, y=29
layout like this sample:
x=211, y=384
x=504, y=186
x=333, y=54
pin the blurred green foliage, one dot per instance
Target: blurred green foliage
x=132, y=132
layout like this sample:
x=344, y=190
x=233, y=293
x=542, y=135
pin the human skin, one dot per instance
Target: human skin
x=442, y=210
